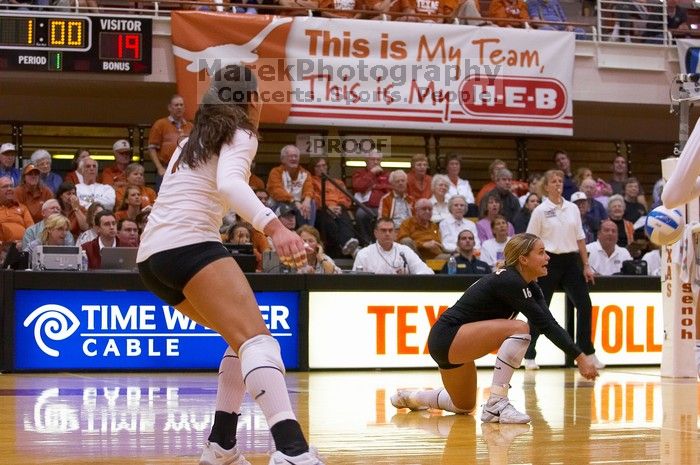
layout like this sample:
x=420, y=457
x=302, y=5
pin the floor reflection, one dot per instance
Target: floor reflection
x=626, y=416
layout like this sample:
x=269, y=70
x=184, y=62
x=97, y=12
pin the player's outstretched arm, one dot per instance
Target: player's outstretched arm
x=684, y=184
x=586, y=366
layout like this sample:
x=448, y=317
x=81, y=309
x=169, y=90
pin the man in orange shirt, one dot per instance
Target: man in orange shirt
x=165, y=134
x=421, y=234
x=115, y=175
x=289, y=183
x=14, y=217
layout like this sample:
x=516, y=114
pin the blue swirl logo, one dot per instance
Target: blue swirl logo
x=54, y=322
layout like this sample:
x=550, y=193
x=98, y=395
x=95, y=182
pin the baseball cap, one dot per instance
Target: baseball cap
x=29, y=168
x=576, y=196
x=121, y=145
x=7, y=147
x=285, y=209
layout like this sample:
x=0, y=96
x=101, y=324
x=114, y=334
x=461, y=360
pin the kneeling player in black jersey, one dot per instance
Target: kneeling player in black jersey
x=482, y=321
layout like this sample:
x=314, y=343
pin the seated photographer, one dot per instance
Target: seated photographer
x=604, y=255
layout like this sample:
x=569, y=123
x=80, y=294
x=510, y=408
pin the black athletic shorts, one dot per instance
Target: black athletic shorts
x=439, y=341
x=167, y=273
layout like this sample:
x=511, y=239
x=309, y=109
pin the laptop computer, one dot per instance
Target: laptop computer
x=244, y=256
x=56, y=257
x=119, y=258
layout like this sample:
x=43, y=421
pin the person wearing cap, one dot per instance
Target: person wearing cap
x=165, y=134
x=590, y=229
x=50, y=207
x=288, y=215
x=604, y=255
x=14, y=216
x=42, y=160
x=8, y=155
x=32, y=192
x=115, y=174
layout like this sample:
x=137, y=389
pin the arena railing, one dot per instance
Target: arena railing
x=163, y=8
x=630, y=21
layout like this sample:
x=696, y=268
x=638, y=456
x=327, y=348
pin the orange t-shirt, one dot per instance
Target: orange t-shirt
x=148, y=197
x=33, y=200
x=504, y=9
x=14, y=220
x=164, y=136
x=112, y=175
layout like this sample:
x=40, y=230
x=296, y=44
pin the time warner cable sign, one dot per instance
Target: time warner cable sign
x=105, y=330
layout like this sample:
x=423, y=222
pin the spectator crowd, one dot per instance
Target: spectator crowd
x=400, y=222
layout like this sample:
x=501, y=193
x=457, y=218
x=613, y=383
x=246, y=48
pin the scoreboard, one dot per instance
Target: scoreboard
x=76, y=43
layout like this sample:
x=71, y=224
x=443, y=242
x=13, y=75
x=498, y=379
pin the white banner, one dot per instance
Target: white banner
x=688, y=55
x=316, y=71
x=390, y=329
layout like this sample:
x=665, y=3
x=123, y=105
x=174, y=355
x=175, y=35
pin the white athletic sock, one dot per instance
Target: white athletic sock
x=230, y=389
x=444, y=402
x=263, y=375
x=428, y=397
x=508, y=359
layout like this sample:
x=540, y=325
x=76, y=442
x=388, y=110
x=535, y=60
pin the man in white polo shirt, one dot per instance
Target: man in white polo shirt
x=604, y=255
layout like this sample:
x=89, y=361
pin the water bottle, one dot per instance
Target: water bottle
x=83, y=260
x=452, y=265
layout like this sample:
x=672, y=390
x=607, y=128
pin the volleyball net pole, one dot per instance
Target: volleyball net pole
x=681, y=300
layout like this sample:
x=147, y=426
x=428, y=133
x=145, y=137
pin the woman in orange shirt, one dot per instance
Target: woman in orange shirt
x=134, y=177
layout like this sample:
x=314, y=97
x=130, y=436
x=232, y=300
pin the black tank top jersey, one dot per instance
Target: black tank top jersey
x=502, y=295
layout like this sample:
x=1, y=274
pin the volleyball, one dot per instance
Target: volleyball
x=664, y=226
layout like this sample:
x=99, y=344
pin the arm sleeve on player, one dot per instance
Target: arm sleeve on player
x=539, y=316
x=232, y=180
x=684, y=185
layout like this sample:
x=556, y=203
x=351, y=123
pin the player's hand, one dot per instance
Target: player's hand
x=289, y=246
x=586, y=367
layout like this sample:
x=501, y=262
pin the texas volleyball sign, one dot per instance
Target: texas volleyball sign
x=317, y=71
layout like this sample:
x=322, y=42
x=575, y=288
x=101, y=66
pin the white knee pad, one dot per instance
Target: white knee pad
x=513, y=349
x=261, y=351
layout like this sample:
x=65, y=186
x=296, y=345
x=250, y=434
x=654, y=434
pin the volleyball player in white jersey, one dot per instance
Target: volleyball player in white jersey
x=684, y=183
x=182, y=261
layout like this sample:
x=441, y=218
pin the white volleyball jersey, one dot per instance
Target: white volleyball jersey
x=192, y=202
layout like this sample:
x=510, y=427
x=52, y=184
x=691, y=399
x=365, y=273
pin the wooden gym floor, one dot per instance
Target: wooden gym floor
x=628, y=416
